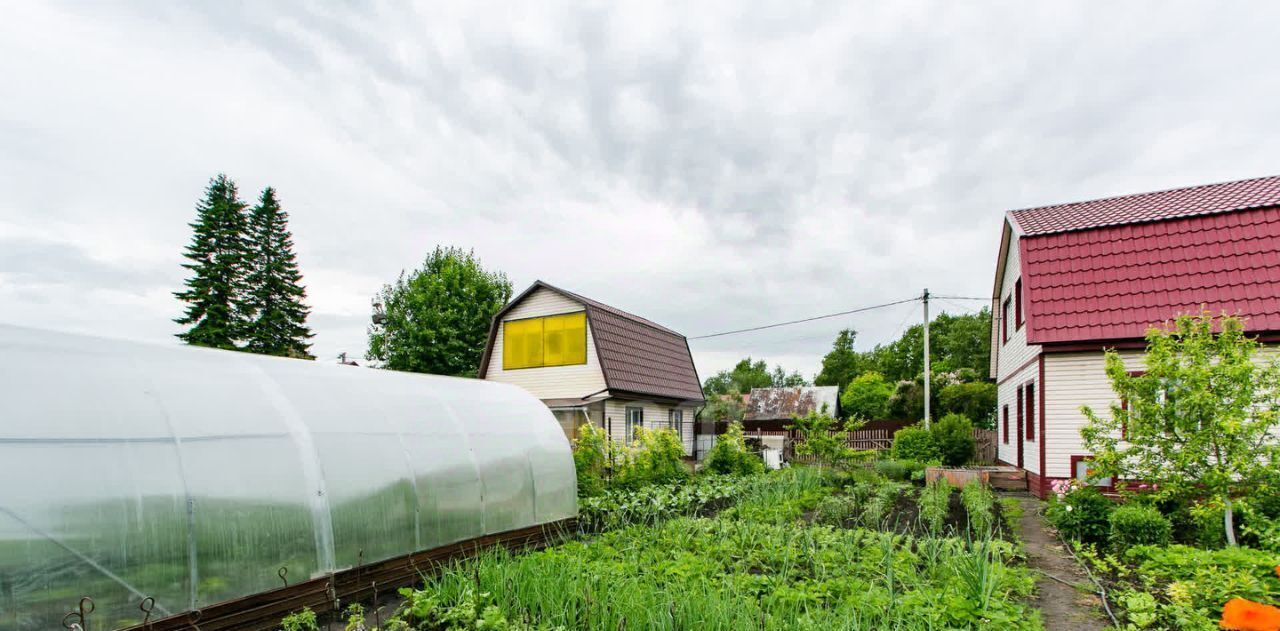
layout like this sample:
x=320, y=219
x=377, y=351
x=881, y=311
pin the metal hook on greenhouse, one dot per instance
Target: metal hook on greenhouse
x=283, y=573
x=377, y=609
x=146, y=606
x=193, y=618
x=80, y=616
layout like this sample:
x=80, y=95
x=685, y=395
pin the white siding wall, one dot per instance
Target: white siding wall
x=655, y=415
x=1076, y=379
x=553, y=382
x=1007, y=394
x=1015, y=367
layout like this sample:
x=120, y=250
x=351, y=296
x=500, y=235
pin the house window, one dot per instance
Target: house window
x=1004, y=321
x=1031, y=411
x=558, y=340
x=1017, y=301
x=635, y=419
x=1082, y=470
x=1005, y=410
x=675, y=421
x=1124, y=405
x=1021, y=416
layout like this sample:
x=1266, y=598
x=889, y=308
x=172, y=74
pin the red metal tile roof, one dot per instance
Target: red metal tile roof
x=1115, y=282
x=1182, y=202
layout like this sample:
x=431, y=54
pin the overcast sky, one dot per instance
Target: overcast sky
x=709, y=168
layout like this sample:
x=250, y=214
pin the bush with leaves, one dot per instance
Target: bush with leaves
x=953, y=435
x=729, y=456
x=1138, y=524
x=915, y=443
x=976, y=400
x=1082, y=514
x=655, y=457
x=815, y=434
x=591, y=459
x=867, y=397
x=1202, y=419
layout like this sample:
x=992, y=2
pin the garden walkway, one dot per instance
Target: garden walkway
x=1067, y=598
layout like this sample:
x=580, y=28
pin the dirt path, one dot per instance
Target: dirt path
x=1073, y=607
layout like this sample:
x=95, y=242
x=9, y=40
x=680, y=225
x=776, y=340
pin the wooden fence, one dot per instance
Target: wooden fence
x=882, y=440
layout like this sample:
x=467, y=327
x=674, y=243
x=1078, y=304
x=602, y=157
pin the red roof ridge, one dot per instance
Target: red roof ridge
x=1172, y=203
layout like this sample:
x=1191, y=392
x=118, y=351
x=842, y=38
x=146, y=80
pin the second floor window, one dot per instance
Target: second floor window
x=1017, y=302
x=557, y=340
x=1004, y=321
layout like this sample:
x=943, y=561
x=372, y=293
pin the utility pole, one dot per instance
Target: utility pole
x=927, y=374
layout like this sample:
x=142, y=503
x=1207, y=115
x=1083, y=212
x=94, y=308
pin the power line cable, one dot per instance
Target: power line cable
x=803, y=320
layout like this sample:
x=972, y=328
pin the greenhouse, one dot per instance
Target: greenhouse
x=194, y=476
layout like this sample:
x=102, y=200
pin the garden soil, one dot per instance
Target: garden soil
x=1064, y=607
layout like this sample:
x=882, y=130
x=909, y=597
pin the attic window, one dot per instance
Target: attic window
x=1017, y=301
x=558, y=340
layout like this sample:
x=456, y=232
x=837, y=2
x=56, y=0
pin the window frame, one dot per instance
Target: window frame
x=675, y=420
x=1075, y=462
x=543, y=341
x=1005, y=416
x=629, y=423
x=1004, y=320
x=1017, y=304
x=1030, y=400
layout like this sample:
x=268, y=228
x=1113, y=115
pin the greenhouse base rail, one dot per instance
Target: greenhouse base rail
x=262, y=611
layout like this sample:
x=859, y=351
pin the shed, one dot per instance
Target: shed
x=192, y=476
x=775, y=408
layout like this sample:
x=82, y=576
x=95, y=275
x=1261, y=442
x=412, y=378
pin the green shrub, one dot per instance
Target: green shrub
x=729, y=456
x=953, y=436
x=915, y=443
x=304, y=620
x=935, y=503
x=1203, y=580
x=1083, y=515
x=836, y=510
x=975, y=400
x=1137, y=524
x=656, y=457
x=867, y=397
x=979, y=504
x=893, y=470
x=590, y=457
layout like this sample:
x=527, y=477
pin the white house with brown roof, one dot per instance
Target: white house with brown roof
x=1075, y=279
x=590, y=362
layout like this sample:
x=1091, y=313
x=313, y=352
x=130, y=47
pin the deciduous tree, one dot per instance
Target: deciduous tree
x=436, y=319
x=1202, y=418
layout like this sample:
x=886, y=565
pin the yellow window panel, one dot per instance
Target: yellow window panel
x=522, y=343
x=565, y=340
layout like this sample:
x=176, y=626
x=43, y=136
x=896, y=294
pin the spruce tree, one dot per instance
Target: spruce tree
x=278, y=315
x=215, y=310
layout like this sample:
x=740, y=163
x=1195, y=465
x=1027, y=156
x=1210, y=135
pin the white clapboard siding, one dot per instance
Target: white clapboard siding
x=656, y=415
x=1015, y=366
x=551, y=382
x=1073, y=380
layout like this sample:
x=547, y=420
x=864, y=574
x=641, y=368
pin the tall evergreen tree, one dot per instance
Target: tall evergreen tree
x=273, y=287
x=215, y=309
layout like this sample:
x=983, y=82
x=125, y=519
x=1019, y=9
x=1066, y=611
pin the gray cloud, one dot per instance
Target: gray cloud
x=709, y=166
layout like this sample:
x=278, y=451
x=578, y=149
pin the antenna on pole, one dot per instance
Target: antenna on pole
x=928, y=377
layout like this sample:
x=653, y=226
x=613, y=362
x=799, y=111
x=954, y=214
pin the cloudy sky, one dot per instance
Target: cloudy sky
x=710, y=168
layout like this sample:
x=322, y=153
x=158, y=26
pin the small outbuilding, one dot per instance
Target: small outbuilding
x=773, y=409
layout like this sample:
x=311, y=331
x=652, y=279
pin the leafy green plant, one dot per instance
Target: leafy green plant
x=817, y=438
x=974, y=400
x=729, y=456
x=915, y=443
x=979, y=505
x=934, y=503
x=590, y=460
x=867, y=397
x=1138, y=524
x=304, y=620
x=953, y=436
x=656, y=457
x=1083, y=514
x=1202, y=418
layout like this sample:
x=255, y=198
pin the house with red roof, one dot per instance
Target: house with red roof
x=1074, y=279
x=593, y=363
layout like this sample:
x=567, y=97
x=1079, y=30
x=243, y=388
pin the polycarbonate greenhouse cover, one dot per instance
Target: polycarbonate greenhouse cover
x=192, y=476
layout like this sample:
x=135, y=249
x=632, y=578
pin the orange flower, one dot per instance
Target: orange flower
x=1245, y=615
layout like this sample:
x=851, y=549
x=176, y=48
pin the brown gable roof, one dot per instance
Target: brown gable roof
x=636, y=355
